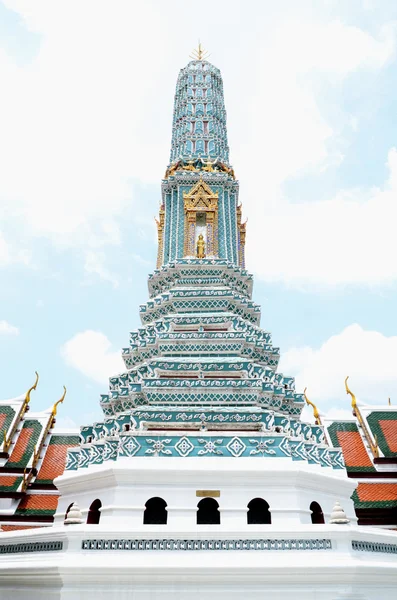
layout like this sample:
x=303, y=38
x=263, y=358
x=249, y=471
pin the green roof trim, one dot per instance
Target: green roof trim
x=13, y=487
x=340, y=426
x=372, y=504
x=34, y=511
x=373, y=421
x=333, y=430
x=65, y=440
x=10, y=414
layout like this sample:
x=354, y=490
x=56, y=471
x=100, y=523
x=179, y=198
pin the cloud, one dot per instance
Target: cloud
x=94, y=264
x=287, y=127
x=70, y=117
x=90, y=353
x=368, y=357
x=337, y=241
x=349, y=239
x=9, y=255
x=8, y=329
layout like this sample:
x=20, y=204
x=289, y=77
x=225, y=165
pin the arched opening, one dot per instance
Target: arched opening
x=155, y=512
x=317, y=514
x=67, y=510
x=258, y=512
x=208, y=512
x=94, y=513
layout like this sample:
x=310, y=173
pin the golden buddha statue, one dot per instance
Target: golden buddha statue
x=200, y=246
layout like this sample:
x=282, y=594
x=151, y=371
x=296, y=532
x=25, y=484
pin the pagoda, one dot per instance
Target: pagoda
x=202, y=476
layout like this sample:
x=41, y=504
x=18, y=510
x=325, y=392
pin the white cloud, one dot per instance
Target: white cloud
x=70, y=119
x=368, y=357
x=90, y=353
x=8, y=329
x=349, y=239
x=94, y=264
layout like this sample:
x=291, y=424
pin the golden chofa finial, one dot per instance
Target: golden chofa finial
x=389, y=402
x=348, y=391
x=316, y=414
x=34, y=386
x=199, y=53
x=54, y=408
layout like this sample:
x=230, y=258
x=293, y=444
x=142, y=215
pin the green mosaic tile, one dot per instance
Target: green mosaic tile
x=373, y=421
x=9, y=415
x=375, y=504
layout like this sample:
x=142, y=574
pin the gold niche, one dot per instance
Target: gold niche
x=201, y=206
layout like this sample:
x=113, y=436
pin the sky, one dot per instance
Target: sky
x=86, y=105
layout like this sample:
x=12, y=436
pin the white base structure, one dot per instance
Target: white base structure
x=122, y=558
x=330, y=562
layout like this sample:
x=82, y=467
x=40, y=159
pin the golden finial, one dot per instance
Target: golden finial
x=34, y=386
x=199, y=53
x=54, y=408
x=316, y=414
x=389, y=402
x=348, y=391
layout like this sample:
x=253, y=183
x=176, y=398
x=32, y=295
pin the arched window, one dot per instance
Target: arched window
x=67, y=510
x=208, y=512
x=199, y=146
x=94, y=514
x=155, y=512
x=258, y=512
x=317, y=514
x=199, y=127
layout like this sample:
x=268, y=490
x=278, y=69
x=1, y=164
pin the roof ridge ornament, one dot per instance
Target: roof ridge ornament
x=199, y=53
x=34, y=386
x=353, y=397
x=373, y=445
x=54, y=408
x=316, y=414
x=7, y=440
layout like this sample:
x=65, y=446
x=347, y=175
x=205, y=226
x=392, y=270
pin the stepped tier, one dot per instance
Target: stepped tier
x=200, y=273
x=202, y=383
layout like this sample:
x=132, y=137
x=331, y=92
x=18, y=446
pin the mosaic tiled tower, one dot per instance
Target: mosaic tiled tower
x=202, y=478
x=201, y=375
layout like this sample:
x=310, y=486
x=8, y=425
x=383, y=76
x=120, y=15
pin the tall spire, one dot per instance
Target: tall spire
x=199, y=122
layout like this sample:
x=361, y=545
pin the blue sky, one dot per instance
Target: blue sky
x=85, y=121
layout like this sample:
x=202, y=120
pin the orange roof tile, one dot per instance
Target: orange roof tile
x=54, y=462
x=17, y=527
x=3, y=418
x=389, y=430
x=353, y=449
x=39, y=502
x=21, y=444
x=8, y=480
x=377, y=492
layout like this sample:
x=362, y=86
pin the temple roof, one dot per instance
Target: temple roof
x=369, y=445
x=33, y=455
